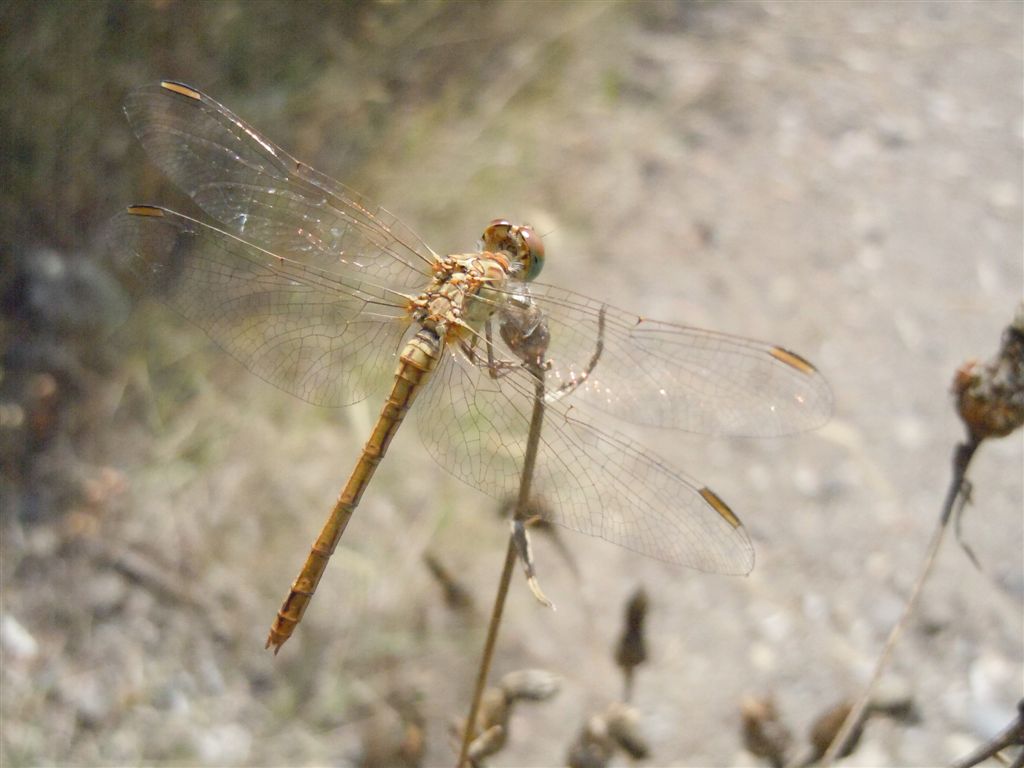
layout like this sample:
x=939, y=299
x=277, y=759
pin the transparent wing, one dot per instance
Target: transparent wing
x=596, y=483
x=659, y=374
x=260, y=192
x=323, y=337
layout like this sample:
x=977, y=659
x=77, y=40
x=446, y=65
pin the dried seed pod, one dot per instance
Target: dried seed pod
x=616, y=728
x=990, y=397
x=826, y=728
x=413, y=746
x=456, y=596
x=530, y=685
x=392, y=736
x=593, y=747
x=623, y=723
x=631, y=650
x=492, y=720
x=494, y=710
x=487, y=743
x=764, y=733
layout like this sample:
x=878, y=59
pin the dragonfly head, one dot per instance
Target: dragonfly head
x=520, y=242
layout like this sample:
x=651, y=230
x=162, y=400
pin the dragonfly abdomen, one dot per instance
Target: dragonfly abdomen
x=419, y=357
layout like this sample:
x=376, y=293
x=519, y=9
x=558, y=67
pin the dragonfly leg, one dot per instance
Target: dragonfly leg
x=571, y=385
x=495, y=368
x=492, y=364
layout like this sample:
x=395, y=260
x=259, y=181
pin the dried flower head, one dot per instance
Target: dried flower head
x=764, y=733
x=593, y=747
x=617, y=728
x=990, y=396
x=624, y=729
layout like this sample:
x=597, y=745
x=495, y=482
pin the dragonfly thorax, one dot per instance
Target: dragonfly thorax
x=452, y=304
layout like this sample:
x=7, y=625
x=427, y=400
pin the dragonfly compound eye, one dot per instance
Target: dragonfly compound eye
x=530, y=251
x=521, y=243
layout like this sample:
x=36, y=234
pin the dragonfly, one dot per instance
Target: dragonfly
x=329, y=297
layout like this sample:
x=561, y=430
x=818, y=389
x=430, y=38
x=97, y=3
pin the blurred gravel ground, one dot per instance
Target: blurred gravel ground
x=843, y=179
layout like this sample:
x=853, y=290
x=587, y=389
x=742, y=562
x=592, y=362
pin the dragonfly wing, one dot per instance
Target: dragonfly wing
x=325, y=338
x=599, y=484
x=260, y=192
x=659, y=374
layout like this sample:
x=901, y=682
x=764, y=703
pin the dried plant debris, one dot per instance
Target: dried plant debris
x=54, y=306
x=605, y=734
x=624, y=729
x=1011, y=736
x=530, y=685
x=764, y=733
x=891, y=699
x=990, y=396
x=486, y=744
x=617, y=729
x=492, y=721
x=593, y=747
x=631, y=650
x=456, y=596
x=990, y=401
x=825, y=729
x=536, y=517
x=393, y=735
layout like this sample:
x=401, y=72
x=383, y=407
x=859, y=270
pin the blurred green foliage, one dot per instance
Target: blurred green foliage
x=325, y=77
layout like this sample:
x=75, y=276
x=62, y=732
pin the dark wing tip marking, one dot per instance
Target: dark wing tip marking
x=720, y=507
x=145, y=210
x=181, y=88
x=793, y=360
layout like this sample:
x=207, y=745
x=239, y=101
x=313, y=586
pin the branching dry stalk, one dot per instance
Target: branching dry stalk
x=525, y=483
x=1012, y=735
x=990, y=401
x=497, y=704
x=955, y=497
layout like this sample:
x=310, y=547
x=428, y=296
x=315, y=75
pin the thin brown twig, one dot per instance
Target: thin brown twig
x=961, y=460
x=525, y=483
x=1012, y=735
x=469, y=731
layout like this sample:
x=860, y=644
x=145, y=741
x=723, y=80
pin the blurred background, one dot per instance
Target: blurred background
x=843, y=179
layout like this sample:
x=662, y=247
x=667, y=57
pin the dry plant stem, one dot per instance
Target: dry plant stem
x=469, y=732
x=525, y=482
x=955, y=498
x=627, y=686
